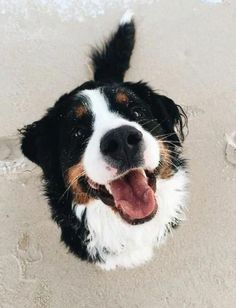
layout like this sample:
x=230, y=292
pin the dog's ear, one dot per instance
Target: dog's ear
x=36, y=143
x=39, y=139
x=171, y=116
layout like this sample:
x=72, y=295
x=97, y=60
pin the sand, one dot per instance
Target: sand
x=187, y=50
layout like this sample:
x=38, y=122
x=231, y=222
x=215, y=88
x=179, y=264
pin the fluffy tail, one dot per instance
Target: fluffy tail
x=112, y=60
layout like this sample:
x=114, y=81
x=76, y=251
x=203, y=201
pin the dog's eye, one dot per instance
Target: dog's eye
x=137, y=114
x=79, y=133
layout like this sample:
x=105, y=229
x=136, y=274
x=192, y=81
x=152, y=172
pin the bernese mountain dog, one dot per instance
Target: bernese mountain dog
x=110, y=152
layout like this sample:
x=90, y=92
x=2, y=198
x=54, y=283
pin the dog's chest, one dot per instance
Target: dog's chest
x=111, y=237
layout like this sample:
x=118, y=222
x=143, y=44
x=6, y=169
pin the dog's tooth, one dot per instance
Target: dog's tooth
x=143, y=172
x=108, y=188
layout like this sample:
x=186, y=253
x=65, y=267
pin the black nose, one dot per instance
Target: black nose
x=123, y=145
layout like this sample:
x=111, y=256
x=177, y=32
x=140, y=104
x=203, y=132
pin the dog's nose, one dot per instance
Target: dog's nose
x=123, y=145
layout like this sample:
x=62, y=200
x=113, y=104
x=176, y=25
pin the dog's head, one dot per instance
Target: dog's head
x=109, y=142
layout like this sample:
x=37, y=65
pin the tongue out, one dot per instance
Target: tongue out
x=133, y=196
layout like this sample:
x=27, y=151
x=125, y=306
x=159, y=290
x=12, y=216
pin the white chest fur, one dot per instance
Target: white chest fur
x=121, y=244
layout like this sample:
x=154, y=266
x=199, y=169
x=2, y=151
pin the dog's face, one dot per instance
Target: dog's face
x=109, y=142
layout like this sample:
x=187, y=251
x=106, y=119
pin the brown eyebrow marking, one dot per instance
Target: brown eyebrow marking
x=121, y=97
x=80, y=111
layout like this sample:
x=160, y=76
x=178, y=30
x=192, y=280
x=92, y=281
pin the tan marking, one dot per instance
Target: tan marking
x=122, y=98
x=73, y=174
x=80, y=111
x=164, y=170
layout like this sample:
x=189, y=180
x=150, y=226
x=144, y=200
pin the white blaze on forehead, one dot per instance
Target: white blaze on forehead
x=104, y=119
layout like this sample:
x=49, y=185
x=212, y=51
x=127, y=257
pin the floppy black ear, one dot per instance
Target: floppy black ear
x=171, y=116
x=39, y=139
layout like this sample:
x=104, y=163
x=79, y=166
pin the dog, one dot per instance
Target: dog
x=111, y=156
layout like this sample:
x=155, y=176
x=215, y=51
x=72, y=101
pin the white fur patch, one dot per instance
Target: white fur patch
x=121, y=244
x=127, y=17
x=79, y=210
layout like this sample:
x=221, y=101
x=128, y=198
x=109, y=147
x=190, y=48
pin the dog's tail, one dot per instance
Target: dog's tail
x=112, y=60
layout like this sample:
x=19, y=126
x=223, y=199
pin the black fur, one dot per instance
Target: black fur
x=53, y=141
x=112, y=61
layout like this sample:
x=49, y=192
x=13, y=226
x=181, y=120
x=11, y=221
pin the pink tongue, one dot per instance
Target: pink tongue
x=133, y=195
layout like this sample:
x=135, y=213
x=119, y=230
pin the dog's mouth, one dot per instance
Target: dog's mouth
x=132, y=195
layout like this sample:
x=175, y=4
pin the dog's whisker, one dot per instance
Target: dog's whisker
x=171, y=143
x=156, y=126
x=172, y=151
x=170, y=163
x=147, y=121
x=71, y=184
x=165, y=135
